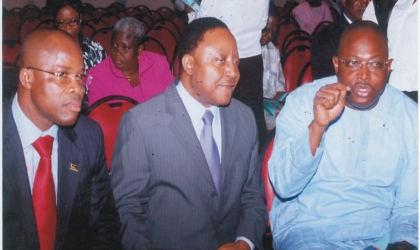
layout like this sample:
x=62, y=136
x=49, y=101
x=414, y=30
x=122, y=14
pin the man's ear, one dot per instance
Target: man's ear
x=335, y=63
x=188, y=64
x=26, y=78
x=343, y=2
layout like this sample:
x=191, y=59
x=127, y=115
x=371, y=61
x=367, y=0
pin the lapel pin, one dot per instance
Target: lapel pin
x=73, y=167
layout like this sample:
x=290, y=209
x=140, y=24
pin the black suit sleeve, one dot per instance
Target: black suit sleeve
x=104, y=219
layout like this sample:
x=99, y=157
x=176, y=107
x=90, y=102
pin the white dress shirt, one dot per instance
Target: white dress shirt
x=196, y=111
x=245, y=19
x=403, y=45
x=29, y=133
x=273, y=78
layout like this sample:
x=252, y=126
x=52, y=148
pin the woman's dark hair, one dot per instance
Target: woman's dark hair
x=55, y=7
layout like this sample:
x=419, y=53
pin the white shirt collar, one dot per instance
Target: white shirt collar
x=28, y=131
x=348, y=19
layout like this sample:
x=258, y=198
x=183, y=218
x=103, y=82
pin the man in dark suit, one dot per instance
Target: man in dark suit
x=56, y=189
x=325, y=43
x=172, y=190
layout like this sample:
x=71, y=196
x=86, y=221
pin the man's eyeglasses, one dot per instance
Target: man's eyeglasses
x=355, y=65
x=66, y=78
x=72, y=23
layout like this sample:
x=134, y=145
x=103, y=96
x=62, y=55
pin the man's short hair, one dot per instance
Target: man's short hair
x=193, y=35
x=131, y=26
x=363, y=24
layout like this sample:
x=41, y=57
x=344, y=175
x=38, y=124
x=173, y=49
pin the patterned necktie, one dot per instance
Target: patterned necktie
x=43, y=194
x=208, y=144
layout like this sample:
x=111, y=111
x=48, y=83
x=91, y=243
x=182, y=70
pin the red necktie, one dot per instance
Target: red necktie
x=43, y=194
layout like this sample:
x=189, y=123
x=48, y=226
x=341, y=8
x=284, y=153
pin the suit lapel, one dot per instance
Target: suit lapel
x=15, y=176
x=68, y=154
x=181, y=126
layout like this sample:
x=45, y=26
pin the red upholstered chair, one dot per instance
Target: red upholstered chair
x=321, y=26
x=296, y=60
x=108, y=112
x=180, y=23
x=153, y=45
x=166, y=38
x=96, y=24
x=132, y=12
x=11, y=23
x=99, y=12
x=268, y=189
x=152, y=14
x=165, y=12
x=88, y=30
x=88, y=8
x=171, y=26
x=11, y=51
x=295, y=38
x=103, y=37
x=110, y=19
x=27, y=26
x=142, y=8
x=286, y=26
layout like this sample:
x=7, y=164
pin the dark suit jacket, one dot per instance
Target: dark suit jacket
x=325, y=46
x=162, y=185
x=86, y=213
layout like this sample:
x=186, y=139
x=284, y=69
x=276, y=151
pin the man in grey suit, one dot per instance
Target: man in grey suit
x=181, y=181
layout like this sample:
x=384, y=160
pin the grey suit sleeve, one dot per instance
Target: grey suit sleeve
x=253, y=209
x=130, y=175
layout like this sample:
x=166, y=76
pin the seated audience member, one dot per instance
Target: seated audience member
x=129, y=71
x=345, y=157
x=68, y=17
x=310, y=13
x=183, y=180
x=56, y=188
x=273, y=78
x=325, y=43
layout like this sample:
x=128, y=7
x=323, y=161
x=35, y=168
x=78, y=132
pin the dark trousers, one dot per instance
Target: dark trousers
x=250, y=91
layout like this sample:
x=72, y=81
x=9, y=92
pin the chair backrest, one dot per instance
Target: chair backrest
x=11, y=24
x=97, y=24
x=171, y=26
x=88, y=8
x=46, y=24
x=27, y=26
x=110, y=19
x=10, y=79
x=11, y=51
x=152, y=14
x=28, y=13
x=295, y=62
x=103, y=37
x=99, y=12
x=264, y=157
x=165, y=12
x=180, y=23
x=153, y=45
x=115, y=7
x=322, y=25
x=88, y=30
x=286, y=26
x=142, y=8
x=294, y=39
x=175, y=66
x=166, y=38
x=305, y=75
x=289, y=6
x=108, y=112
x=131, y=11
x=86, y=17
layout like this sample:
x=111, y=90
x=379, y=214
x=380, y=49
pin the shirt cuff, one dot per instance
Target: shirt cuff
x=251, y=246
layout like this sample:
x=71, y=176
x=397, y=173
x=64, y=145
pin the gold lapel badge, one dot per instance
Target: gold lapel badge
x=73, y=167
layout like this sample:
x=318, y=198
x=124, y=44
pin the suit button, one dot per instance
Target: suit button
x=213, y=194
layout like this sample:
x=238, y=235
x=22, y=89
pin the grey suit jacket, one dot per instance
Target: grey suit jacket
x=86, y=214
x=162, y=185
